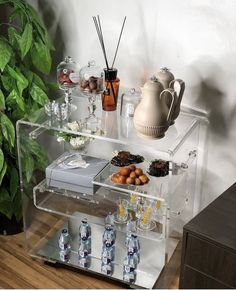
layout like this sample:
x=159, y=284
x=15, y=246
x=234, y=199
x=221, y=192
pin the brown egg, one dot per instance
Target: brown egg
x=132, y=174
x=144, y=178
x=138, y=181
x=125, y=171
x=122, y=179
x=130, y=180
x=132, y=167
x=139, y=171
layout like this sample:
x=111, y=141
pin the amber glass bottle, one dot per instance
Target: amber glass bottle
x=110, y=95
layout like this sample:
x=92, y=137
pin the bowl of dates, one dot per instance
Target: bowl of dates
x=130, y=175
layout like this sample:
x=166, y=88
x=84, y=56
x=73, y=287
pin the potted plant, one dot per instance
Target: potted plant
x=25, y=57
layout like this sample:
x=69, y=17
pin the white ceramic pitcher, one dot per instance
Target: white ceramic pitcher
x=152, y=116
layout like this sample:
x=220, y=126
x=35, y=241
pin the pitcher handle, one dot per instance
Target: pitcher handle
x=172, y=105
x=182, y=88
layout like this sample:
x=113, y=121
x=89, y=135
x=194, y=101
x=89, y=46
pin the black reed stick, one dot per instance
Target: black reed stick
x=100, y=26
x=118, y=42
x=100, y=37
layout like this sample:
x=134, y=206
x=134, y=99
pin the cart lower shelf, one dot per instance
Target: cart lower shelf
x=152, y=253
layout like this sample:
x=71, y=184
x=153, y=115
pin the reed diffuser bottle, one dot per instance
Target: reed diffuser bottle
x=112, y=82
x=110, y=95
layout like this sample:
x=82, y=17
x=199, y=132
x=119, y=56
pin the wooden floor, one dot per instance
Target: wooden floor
x=18, y=270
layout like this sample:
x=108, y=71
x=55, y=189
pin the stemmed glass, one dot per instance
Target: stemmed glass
x=68, y=80
x=92, y=85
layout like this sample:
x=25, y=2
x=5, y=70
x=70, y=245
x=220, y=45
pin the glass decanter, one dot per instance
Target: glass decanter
x=92, y=85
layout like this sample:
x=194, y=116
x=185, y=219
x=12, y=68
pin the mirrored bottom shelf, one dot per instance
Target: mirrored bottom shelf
x=152, y=253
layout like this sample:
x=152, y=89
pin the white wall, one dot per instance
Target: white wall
x=195, y=38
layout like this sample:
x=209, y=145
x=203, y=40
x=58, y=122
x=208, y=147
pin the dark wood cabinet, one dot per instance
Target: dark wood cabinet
x=209, y=245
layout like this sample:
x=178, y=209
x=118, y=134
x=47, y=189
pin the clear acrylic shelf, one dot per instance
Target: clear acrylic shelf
x=116, y=129
x=156, y=188
x=66, y=203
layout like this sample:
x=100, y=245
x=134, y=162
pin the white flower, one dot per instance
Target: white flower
x=74, y=126
x=77, y=142
x=60, y=139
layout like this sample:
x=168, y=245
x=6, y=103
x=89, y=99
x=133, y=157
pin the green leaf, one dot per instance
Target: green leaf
x=11, y=99
x=41, y=57
x=4, y=194
x=33, y=148
x=38, y=24
x=28, y=190
x=8, y=82
x=14, y=37
x=14, y=99
x=17, y=206
x=36, y=18
x=8, y=130
x=6, y=207
x=17, y=115
x=37, y=115
x=38, y=95
x=27, y=73
x=1, y=139
x=18, y=76
x=20, y=87
x=5, y=54
x=39, y=82
x=14, y=182
x=20, y=102
x=29, y=167
x=2, y=101
x=25, y=41
x=1, y=159
x=21, y=82
x=3, y=172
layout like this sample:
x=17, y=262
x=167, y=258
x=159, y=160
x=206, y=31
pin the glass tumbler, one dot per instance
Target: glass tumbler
x=122, y=211
x=157, y=211
x=146, y=221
